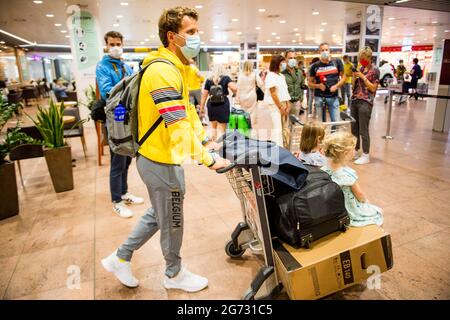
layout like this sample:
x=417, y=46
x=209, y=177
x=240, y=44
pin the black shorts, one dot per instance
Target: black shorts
x=414, y=83
x=219, y=112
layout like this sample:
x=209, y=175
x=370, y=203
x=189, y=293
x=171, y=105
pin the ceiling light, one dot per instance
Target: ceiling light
x=63, y=31
x=278, y=38
x=142, y=42
x=67, y=36
x=146, y=39
x=278, y=43
x=268, y=40
x=295, y=29
x=49, y=15
x=392, y=27
x=202, y=42
x=386, y=33
x=199, y=6
x=262, y=10
x=2, y=42
x=391, y=18
x=418, y=41
x=212, y=40
x=421, y=29
x=322, y=30
x=216, y=27
x=274, y=33
x=447, y=30
x=297, y=34
x=229, y=42
x=434, y=36
x=412, y=34
x=300, y=43
x=124, y=3
x=333, y=35
x=282, y=21
x=119, y=16
x=239, y=33
x=235, y=19
x=315, y=13
x=294, y=41
x=38, y=1
x=324, y=23
x=425, y=39
x=115, y=25
x=58, y=24
x=201, y=32
x=1, y=50
x=258, y=28
x=400, y=1
x=434, y=22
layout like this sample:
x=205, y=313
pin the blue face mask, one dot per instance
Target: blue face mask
x=192, y=47
x=292, y=63
x=283, y=66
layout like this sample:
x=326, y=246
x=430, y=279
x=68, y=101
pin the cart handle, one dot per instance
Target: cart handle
x=295, y=120
x=346, y=117
x=251, y=158
x=227, y=168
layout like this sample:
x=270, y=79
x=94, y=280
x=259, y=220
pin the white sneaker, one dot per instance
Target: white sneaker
x=121, y=209
x=363, y=159
x=132, y=199
x=121, y=269
x=187, y=281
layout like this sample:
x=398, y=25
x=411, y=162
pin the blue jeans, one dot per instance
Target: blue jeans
x=348, y=93
x=333, y=108
x=118, y=176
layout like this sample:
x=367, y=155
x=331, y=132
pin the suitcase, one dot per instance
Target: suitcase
x=240, y=120
x=313, y=212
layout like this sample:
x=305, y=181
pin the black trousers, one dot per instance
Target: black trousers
x=362, y=111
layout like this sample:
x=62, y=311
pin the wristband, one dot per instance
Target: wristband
x=213, y=155
x=207, y=139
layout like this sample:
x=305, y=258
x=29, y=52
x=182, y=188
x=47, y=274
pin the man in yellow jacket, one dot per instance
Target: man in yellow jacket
x=164, y=94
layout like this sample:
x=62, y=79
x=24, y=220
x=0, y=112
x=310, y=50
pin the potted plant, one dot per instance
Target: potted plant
x=57, y=153
x=9, y=199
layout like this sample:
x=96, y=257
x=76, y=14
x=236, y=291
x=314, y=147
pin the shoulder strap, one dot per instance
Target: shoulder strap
x=117, y=70
x=160, y=119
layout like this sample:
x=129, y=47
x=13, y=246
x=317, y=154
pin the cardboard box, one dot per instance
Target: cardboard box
x=333, y=263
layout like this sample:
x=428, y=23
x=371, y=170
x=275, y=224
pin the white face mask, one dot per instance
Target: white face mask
x=115, y=52
x=325, y=55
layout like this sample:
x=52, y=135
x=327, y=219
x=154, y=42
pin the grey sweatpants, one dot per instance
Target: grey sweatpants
x=166, y=188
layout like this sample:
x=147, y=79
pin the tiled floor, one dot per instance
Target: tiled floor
x=55, y=234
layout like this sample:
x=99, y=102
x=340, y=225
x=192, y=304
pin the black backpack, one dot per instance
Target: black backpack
x=312, y=212
x=216, y=94
x=419, y=73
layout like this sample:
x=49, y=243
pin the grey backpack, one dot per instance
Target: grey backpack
x=122, y=114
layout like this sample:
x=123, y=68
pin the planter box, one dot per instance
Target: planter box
x=9, y=200
x=59, y=163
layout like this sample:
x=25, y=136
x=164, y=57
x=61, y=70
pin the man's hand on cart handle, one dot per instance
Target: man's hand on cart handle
x=212, y=145
x=220, y=163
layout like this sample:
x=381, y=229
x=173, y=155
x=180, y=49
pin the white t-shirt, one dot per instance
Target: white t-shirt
x=276, y=80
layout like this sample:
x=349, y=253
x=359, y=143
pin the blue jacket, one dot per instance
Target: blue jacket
x=107, y=77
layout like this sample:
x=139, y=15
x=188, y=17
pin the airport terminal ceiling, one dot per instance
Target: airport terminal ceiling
x=286, y=22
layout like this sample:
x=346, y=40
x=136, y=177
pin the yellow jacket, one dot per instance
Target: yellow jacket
x=164, y=92
x=195, y=79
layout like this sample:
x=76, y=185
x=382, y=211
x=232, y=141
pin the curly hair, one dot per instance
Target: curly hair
x=338, y=144
x=170, y=20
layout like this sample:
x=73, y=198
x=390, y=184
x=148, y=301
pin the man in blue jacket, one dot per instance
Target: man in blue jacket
x=110, y=70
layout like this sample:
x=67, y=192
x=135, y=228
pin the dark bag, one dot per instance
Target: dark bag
x=313, y=212
x=98, y=111
x=419, y=73
x=259, y=93
x=216, y=94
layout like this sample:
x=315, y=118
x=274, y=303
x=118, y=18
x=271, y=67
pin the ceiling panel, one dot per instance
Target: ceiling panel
x=139, y=21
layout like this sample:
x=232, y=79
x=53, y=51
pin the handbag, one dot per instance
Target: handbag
x=259, y=92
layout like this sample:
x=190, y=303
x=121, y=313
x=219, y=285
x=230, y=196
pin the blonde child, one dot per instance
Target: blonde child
x=338, y=148
x=311, y=139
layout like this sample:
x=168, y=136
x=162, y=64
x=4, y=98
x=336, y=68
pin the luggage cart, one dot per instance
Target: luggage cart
x=251, y=188
x=422, y=88
x=297, y=125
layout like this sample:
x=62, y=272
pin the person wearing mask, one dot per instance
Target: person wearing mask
x=416, y=74
x=310, y=90
x=295, y=83
x=218, y=112
x=179, y=135
x=246, y=90
x=347, y=87
x=365, y=84
x=326, y=77
x=110, y=70
x=276, y=99
x=400, y=71
x=195, y=81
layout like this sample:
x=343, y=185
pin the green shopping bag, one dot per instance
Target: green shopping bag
x=240, y=120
